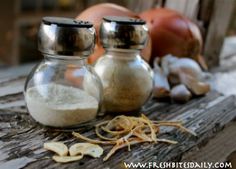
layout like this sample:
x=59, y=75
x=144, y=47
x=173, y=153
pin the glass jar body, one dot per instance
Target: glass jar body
x=63, y=91
x=127, y=80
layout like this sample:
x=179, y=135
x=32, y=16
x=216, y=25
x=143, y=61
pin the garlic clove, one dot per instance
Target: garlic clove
x=180, y=94
x=196, y=87
x=86, y=149
x=57, y=147
x=67, y=159
x=161, y=87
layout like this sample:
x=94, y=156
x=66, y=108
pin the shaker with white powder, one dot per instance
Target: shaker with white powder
x=60, y=105
x=51, y=94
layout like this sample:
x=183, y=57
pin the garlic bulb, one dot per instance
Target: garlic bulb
x=172, y=64
x=183, y=74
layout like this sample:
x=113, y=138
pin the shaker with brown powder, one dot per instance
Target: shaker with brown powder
x=127, y=79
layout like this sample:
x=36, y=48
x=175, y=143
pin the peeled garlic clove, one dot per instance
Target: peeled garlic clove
x=180, y=94
x=67, y=159
x=86, y=149
x=196, y=87
x=57, y=147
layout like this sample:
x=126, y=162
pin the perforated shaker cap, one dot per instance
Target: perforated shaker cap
x=65, y=36
x=123, y=32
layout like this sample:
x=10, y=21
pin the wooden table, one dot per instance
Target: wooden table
x=21, y=139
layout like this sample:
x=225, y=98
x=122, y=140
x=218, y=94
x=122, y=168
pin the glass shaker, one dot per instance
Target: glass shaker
x=127, y=79
x=63, y=90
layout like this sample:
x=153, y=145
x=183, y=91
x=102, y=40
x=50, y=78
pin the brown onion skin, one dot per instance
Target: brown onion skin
x=95, y=14
x=172, y=33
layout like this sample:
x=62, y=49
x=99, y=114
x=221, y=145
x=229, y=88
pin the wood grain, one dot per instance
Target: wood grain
x=216, y=31
x=186, y=7
x=217, y=149
x=21, y=139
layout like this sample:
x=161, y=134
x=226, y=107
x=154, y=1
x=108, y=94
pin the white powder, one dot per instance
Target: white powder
x=59, y=106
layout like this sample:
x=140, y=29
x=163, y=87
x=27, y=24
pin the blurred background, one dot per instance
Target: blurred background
x=20, y=20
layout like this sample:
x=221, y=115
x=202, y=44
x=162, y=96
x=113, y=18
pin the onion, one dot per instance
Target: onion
x=95, y=14
x=172, y=33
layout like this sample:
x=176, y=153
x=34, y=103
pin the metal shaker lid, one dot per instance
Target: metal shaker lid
x=123, y=33
x=65, y=36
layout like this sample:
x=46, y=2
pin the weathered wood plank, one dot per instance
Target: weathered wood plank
x=218, y=25
x=217, y=149
x=186, y=7
x=22, y=139
x=6, y=74
x=15, y=87
x=140, y=5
